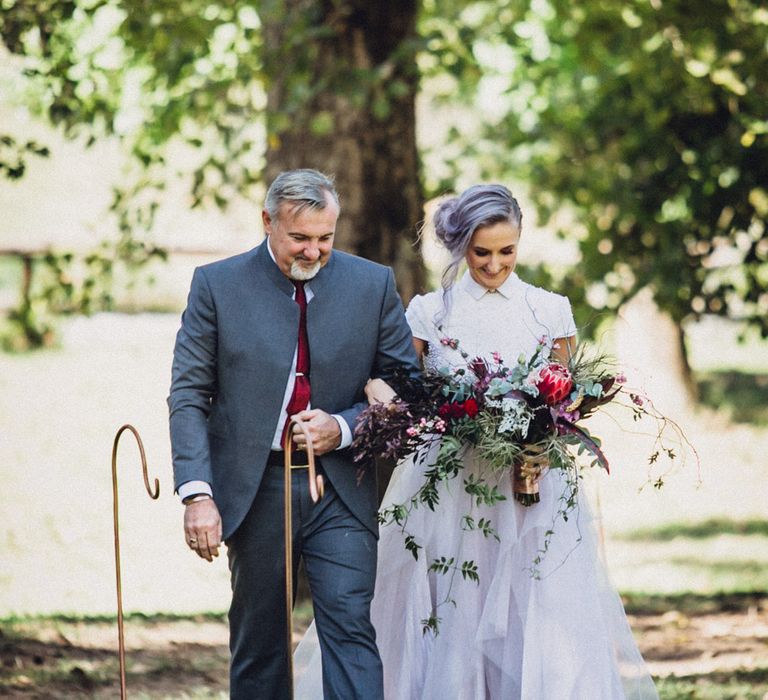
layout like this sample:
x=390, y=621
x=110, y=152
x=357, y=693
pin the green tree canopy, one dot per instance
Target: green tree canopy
x=642, y=129
x=244, y=90
x=639, y=126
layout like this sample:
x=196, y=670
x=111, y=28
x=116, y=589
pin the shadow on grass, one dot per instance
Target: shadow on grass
x=32, y=668
x=692, y=603
x=698, y=531
x=302, y=611
x=132, y=617
x=52, y=669
x=733, y=567
x=754, y=675
x=719, y=685
x=742, y=395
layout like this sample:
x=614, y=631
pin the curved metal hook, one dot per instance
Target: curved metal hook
x=316, y=490
x=154, y=495
x=316, y=483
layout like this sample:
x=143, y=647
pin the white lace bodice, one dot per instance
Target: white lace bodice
x=510, y=321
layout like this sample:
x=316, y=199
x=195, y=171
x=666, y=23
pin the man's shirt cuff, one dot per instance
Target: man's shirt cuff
x=192, y=488
x=346, y=433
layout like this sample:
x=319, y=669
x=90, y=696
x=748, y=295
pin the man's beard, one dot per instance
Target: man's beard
x=301, y=273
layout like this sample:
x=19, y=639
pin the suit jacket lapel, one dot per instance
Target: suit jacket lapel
x=275, y=316
x=266, y=267
x=320, y=309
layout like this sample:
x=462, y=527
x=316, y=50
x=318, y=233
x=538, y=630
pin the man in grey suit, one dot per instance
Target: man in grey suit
x=235, y=381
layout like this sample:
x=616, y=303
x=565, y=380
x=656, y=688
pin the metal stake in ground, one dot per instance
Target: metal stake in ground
x=316, y=488
x=153, y=495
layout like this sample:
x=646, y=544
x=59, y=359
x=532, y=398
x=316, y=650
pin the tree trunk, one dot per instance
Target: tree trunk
x=342, y=100
x=651, y=350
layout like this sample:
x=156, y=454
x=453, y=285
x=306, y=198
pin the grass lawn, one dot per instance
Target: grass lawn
x=733, y=685
x=704, y=534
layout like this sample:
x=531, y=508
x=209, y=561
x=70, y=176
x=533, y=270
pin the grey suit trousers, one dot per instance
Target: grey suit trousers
x=339, y=556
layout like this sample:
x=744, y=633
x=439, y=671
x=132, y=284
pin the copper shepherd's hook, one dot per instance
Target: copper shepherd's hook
x=116, y=520
x=316, y=490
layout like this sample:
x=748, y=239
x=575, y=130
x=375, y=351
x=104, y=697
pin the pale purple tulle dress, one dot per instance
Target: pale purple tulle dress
x=557, y=634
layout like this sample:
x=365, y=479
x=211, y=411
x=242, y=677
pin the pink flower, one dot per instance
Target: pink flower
x=555, y=383
x=621, y=378
x=496, y=357
x=636, y=400
x=570, y=416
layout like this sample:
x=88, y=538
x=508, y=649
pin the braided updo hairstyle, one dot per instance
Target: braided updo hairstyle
x=457, y=219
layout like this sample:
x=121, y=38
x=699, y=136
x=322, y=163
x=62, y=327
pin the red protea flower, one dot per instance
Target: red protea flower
x=555, y=383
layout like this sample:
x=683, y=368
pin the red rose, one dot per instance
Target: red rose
x=444, y=411
x=457, y=410
x=555, y=383
x=470, y=406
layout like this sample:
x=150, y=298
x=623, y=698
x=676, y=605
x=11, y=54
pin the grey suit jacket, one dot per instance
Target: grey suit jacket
x=232, y=359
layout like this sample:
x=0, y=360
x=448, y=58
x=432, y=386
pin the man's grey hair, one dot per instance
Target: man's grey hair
x=305, y=189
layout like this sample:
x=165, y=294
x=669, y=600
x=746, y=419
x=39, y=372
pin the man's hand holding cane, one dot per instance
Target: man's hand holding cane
x=202, y=526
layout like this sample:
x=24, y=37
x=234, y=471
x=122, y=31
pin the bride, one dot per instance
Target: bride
x=557, y=634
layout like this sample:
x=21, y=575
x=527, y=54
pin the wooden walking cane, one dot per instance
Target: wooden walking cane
x=316, y=490
x=116, y=522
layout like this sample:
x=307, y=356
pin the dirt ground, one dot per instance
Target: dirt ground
x=714, y=642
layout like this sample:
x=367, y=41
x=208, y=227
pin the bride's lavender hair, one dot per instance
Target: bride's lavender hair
x=457, y=219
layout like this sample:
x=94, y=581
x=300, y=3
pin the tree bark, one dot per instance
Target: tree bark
x=651, y=349
x=342, y=100
x=686, y=371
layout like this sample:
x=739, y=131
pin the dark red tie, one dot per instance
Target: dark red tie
x=301, y=390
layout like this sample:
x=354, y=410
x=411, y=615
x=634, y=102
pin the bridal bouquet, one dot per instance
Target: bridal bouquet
x=523, y=417
x=520, y=418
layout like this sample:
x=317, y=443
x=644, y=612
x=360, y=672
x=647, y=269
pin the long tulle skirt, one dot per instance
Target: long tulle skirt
x=537, y=625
